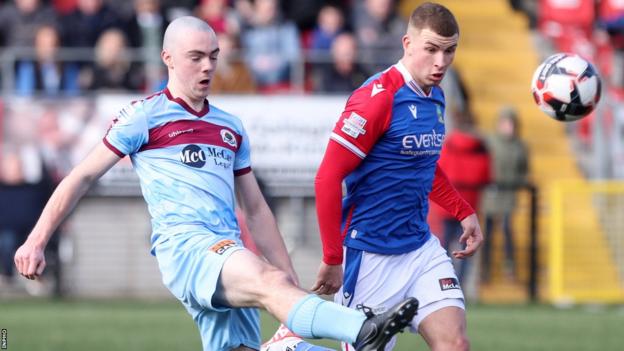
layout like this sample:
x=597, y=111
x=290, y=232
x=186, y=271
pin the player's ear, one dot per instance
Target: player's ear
x=407, y=42
x=166, y=58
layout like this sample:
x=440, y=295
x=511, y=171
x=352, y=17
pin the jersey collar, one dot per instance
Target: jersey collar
x=411, y=83
x=186, y=106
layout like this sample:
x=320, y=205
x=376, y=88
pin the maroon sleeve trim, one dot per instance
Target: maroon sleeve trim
x=113, y=149
x=240, y=172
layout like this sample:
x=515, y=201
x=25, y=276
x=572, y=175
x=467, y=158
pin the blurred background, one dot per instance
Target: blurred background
x=550, y=194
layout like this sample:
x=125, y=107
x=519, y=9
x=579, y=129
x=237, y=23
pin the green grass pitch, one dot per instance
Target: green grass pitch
x=43, y=325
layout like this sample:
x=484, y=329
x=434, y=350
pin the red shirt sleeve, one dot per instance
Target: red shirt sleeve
x=336, y=165
x=444, y=194
x=365, y=118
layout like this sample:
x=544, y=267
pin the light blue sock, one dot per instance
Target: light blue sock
x=313, y=317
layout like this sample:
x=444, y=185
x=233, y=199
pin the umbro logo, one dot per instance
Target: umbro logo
x=178, y=132
x=377, y=88
x=412, y=109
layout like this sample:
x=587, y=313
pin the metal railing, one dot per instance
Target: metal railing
x=299, y=68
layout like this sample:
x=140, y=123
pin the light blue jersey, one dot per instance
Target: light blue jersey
x=186, y=162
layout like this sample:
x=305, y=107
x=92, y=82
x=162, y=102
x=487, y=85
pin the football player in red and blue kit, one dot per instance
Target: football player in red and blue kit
x=385, y=147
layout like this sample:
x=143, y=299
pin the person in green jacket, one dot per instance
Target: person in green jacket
x=510, y=169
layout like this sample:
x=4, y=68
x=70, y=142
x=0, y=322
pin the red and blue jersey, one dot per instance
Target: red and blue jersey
x=397, y=130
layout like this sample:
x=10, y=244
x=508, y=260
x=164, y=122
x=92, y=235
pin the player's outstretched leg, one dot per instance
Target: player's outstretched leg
x=377, y=330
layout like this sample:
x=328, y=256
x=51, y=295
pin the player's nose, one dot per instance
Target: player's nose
x=441, y=60
x=209, y=65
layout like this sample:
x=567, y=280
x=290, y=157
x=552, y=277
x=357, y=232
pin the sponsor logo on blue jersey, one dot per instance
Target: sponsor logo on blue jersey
x=422, y=144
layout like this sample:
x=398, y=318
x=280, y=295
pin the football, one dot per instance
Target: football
x=566, y=87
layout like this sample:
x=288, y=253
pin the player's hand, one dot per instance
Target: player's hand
x=472, y=237
x=30, y=260
x=328, y=279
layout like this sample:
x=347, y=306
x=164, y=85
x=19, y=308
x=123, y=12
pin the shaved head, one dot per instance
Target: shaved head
x=182, y=25
x=190, y=52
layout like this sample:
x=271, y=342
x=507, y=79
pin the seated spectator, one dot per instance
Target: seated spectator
x=218, y=15
x=303, y=13
x=146, y=27
x=232, y=75
x=145, y=31
x=64, y=7
x=45, y=74
x=177, y=8
x=330, y=23
x=244, y=11
x=87, y=22
x=20, y=19
x=112, y=68
x=344, y=74
x=379, y=31
x=271, y=45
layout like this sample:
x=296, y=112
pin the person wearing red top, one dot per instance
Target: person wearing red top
x=466, y=162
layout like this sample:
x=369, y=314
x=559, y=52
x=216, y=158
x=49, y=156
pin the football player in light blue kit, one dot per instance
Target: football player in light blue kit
x=191, y=157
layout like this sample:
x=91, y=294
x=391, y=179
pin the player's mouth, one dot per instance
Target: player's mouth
x=437, y=76
x=204, y=83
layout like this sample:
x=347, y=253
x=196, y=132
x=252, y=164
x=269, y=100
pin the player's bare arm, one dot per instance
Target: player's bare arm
x=262, y=225
x=29, y=258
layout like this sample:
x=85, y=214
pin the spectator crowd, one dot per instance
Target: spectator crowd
x=73, y=47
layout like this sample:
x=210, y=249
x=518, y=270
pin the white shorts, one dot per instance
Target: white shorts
x=381, y=281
